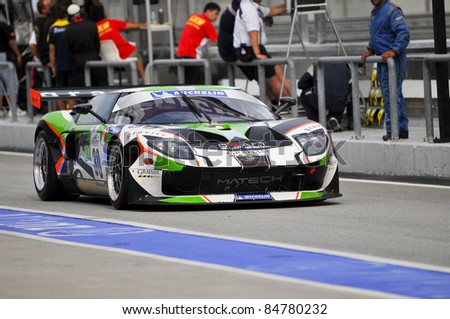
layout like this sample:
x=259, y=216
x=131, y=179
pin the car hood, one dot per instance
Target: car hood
x=271, y=139
x=270, y=133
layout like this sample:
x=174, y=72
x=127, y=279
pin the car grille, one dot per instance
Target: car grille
x=195, y=181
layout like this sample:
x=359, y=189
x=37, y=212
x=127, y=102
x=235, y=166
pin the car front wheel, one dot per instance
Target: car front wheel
x=45, y=178
x=117, y=176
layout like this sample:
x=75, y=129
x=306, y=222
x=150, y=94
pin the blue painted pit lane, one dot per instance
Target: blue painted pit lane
x=286, y=262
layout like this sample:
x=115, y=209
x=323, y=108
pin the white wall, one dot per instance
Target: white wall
x=338, y=8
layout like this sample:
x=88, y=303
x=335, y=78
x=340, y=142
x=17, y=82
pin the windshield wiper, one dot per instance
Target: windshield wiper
x=196, y=110
x=248, y=117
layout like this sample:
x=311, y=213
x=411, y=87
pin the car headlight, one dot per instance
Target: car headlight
x=173, y=148
x=313, y=143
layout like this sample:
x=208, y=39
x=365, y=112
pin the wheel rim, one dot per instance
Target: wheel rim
x=40, y=165
x=115, y=173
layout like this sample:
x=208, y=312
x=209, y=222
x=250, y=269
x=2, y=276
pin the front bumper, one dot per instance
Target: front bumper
x=216, y=186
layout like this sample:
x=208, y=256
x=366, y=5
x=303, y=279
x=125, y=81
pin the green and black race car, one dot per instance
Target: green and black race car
x=181, y=145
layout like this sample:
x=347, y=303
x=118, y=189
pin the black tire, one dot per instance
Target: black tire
x=117, y=176
x=46, y=182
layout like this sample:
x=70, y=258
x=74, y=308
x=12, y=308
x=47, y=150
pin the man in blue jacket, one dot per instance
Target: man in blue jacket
x=389, y=37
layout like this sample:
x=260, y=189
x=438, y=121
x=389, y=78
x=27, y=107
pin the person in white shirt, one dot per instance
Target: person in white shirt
x=249, y=40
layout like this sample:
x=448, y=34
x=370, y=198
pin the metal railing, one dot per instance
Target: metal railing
x=260, y=64
x=354, y=61
x=427, y=61
x=47, y=78
x=13, y=102
x=110, y=65
x=180, y=64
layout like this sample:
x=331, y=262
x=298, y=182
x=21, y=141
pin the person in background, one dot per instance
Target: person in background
x=389, y=37
x=42, y=39
x=61, y=59
x=84, y=43
x=225, y=37
x=197, y=31
x=89, y=7
x=338, y=93
x=109, y=29
x=38, y=45
x=38, y=41
x=249, y=39
x=9, y=51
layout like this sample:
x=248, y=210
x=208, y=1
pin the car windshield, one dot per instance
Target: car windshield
x=185, y=107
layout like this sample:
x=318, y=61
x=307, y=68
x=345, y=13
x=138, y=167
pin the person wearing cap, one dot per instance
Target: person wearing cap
x=83, y=40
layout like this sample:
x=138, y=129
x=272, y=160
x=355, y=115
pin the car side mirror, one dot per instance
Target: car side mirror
x=81, y=109
x=285, y=101
x=85, y=109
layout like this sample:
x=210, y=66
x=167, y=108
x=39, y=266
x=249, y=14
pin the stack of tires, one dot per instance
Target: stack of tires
x=374, y=116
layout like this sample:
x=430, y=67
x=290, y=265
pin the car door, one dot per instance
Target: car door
x=87, y=145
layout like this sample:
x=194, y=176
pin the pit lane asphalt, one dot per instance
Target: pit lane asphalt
x=384, y=220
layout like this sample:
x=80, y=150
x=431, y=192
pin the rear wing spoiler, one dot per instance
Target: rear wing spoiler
x=37, y=95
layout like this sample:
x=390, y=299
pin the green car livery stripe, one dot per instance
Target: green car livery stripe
x=311, y=195
x=163, y=163
x=185, y=200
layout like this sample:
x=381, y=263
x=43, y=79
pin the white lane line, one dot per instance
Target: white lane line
x=16, y=154
x=368, y=181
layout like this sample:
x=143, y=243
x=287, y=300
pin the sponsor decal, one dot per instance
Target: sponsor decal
x=98, y=170
x=59, y=226
x=35, y=99
x=246, y=145
x=166, y=94
x=255, y=180
x=312, y=127
x=147, y=172
x=56, y=95
x=95, y=139
x=115, y=130
x=162, y=95
x=248, y=154
x=247, y=197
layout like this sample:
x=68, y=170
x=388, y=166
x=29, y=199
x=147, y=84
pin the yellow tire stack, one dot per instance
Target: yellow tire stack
x=375, y=111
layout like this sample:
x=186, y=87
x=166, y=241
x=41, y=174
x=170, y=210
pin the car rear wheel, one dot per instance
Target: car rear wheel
x=46, y=182
x=117, y=176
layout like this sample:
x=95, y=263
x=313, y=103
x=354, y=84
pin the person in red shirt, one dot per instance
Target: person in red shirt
x=197, y=31
x=109, y=29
